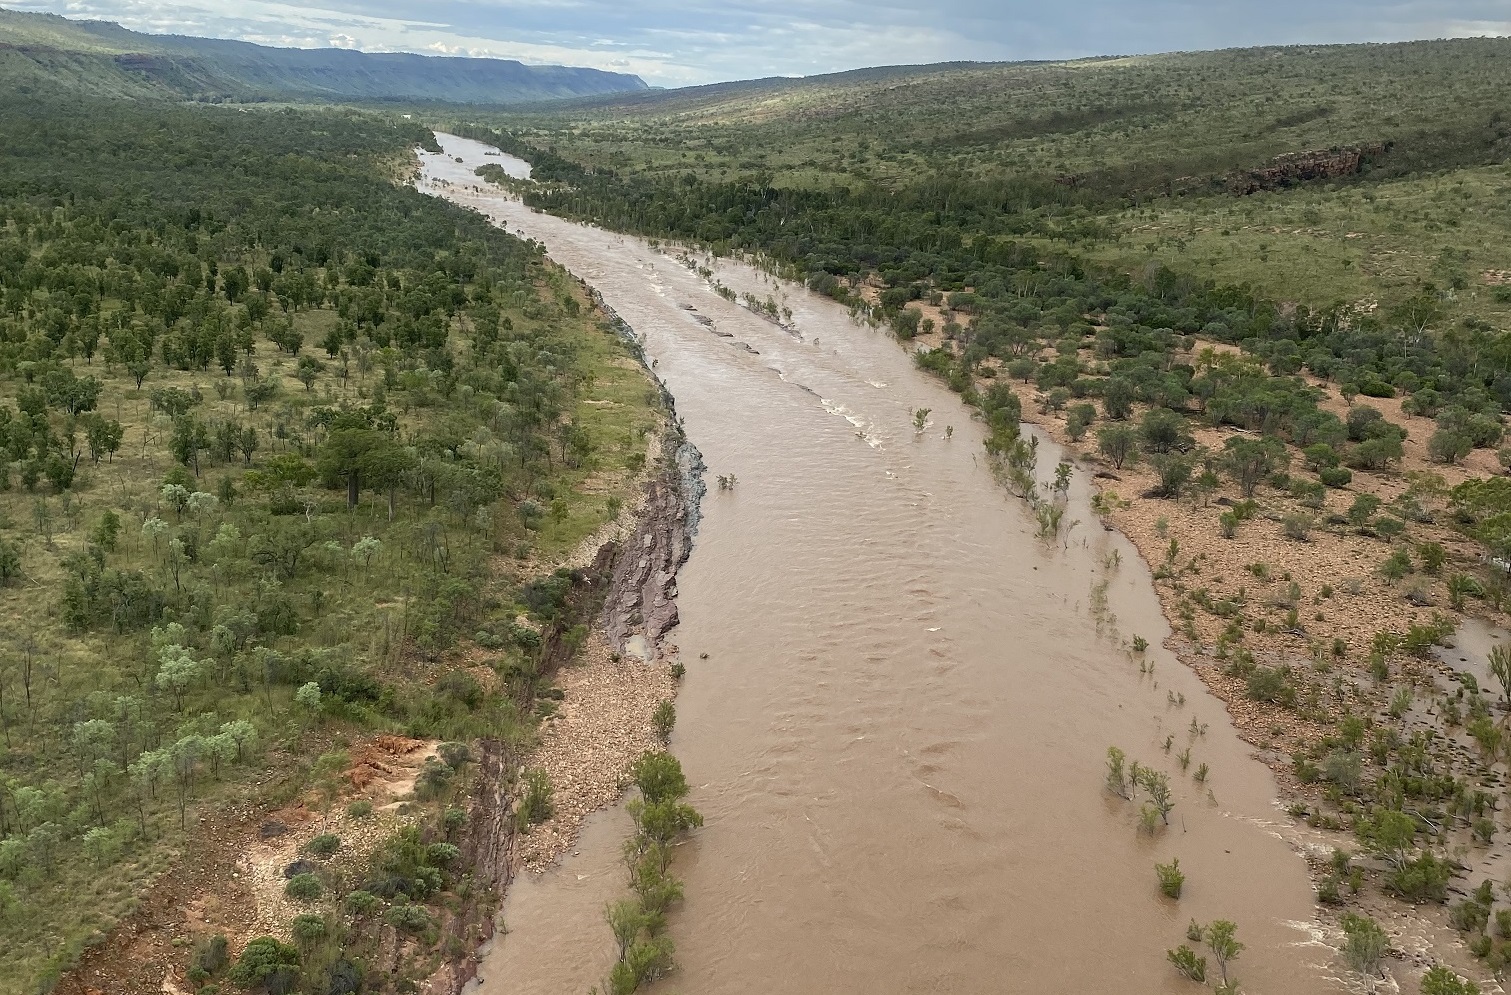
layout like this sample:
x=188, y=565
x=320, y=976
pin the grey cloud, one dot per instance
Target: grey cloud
x=695, y=41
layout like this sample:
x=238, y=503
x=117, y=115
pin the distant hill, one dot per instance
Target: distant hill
x=48, y=51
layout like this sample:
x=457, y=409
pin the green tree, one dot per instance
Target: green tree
x=1118, y=444
x=1249, y=461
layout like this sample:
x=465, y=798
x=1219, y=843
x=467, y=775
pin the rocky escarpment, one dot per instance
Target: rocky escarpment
x=1298, y=167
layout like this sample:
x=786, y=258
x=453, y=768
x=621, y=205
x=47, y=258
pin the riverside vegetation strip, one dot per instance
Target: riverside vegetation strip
x=290, y=452
x=1314, y=468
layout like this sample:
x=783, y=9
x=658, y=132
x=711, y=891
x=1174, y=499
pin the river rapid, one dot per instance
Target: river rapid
x=898, y=734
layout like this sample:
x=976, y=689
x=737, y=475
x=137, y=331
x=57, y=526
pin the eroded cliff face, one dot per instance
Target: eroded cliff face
x=1298, y=167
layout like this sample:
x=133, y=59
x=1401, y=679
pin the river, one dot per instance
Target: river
x=898, y=734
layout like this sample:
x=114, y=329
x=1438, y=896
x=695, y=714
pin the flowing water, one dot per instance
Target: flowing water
x=898, y=735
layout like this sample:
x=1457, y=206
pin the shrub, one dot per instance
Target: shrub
x=211, y=955
x=1170, y=878
x=1424, y=879
x=443, y=854
x=535, y=804
x=267, y=965
x=303, y=887
x=1441, y=981
x=1432, y=555
x=1188, y=963
x=359, y=810
x=664, y=718
x=308, y=929
x=1297, y=527
x=1469, y=916
x=1365, y=944
x=456, y=755
x=1363, y=509
x=1272, y=684
x=1336, y=476
x=1397, y=565
x=407, y=917
x=360, y=903
x=323, y=846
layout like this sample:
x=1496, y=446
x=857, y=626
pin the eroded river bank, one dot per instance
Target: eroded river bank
x=898, y=734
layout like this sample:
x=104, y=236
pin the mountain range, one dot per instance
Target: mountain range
x=45, y=50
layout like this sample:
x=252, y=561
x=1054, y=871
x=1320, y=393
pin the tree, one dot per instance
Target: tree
x=344, y=455
x=177, y=671
x=308, y=371
x=189, y=439
x=1249, y=461
x=1440, y=980
x=1390, y=835
x=1118, y=444
x=1118, y=395
x=1162, y=430
x=104, y=436
x=1174, y=471
x=1221, y=937
x=246, y=441
x=1365, y=945
x=185, y=765
x=1500, y=666
x=1449, y=446
x=10, y=561
x=308, y=698
x=659, y=776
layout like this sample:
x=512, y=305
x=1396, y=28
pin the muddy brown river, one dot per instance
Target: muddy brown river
x=898, y=735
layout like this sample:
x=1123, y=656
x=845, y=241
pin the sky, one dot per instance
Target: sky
x=683, y=42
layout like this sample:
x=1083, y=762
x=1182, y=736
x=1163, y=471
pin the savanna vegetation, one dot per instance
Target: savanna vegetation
x=288, y=452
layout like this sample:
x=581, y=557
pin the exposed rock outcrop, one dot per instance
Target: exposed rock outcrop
x=1298, y=167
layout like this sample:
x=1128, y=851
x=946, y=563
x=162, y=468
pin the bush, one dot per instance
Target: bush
x=1424, y=879
x=1469, y=916
x=360, y=903
x=1397, y=565
x=211, y=955
x=359, y=810
x=308, y=929
x=456, y=755
x=1363, y=509
x=1273, y=685
x=1335, y=476
x=1447, y=446
x=1188, y=964
x=535, y=804
x=303, y=887
x=323, y=846
x=267, y=965
x=443, y=854
x=407, y=917
x=663, y=720
x=1297, y=527
x=1170, y=878
x=1432, y=556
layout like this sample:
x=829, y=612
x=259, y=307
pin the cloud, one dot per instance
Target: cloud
x=679, y=42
